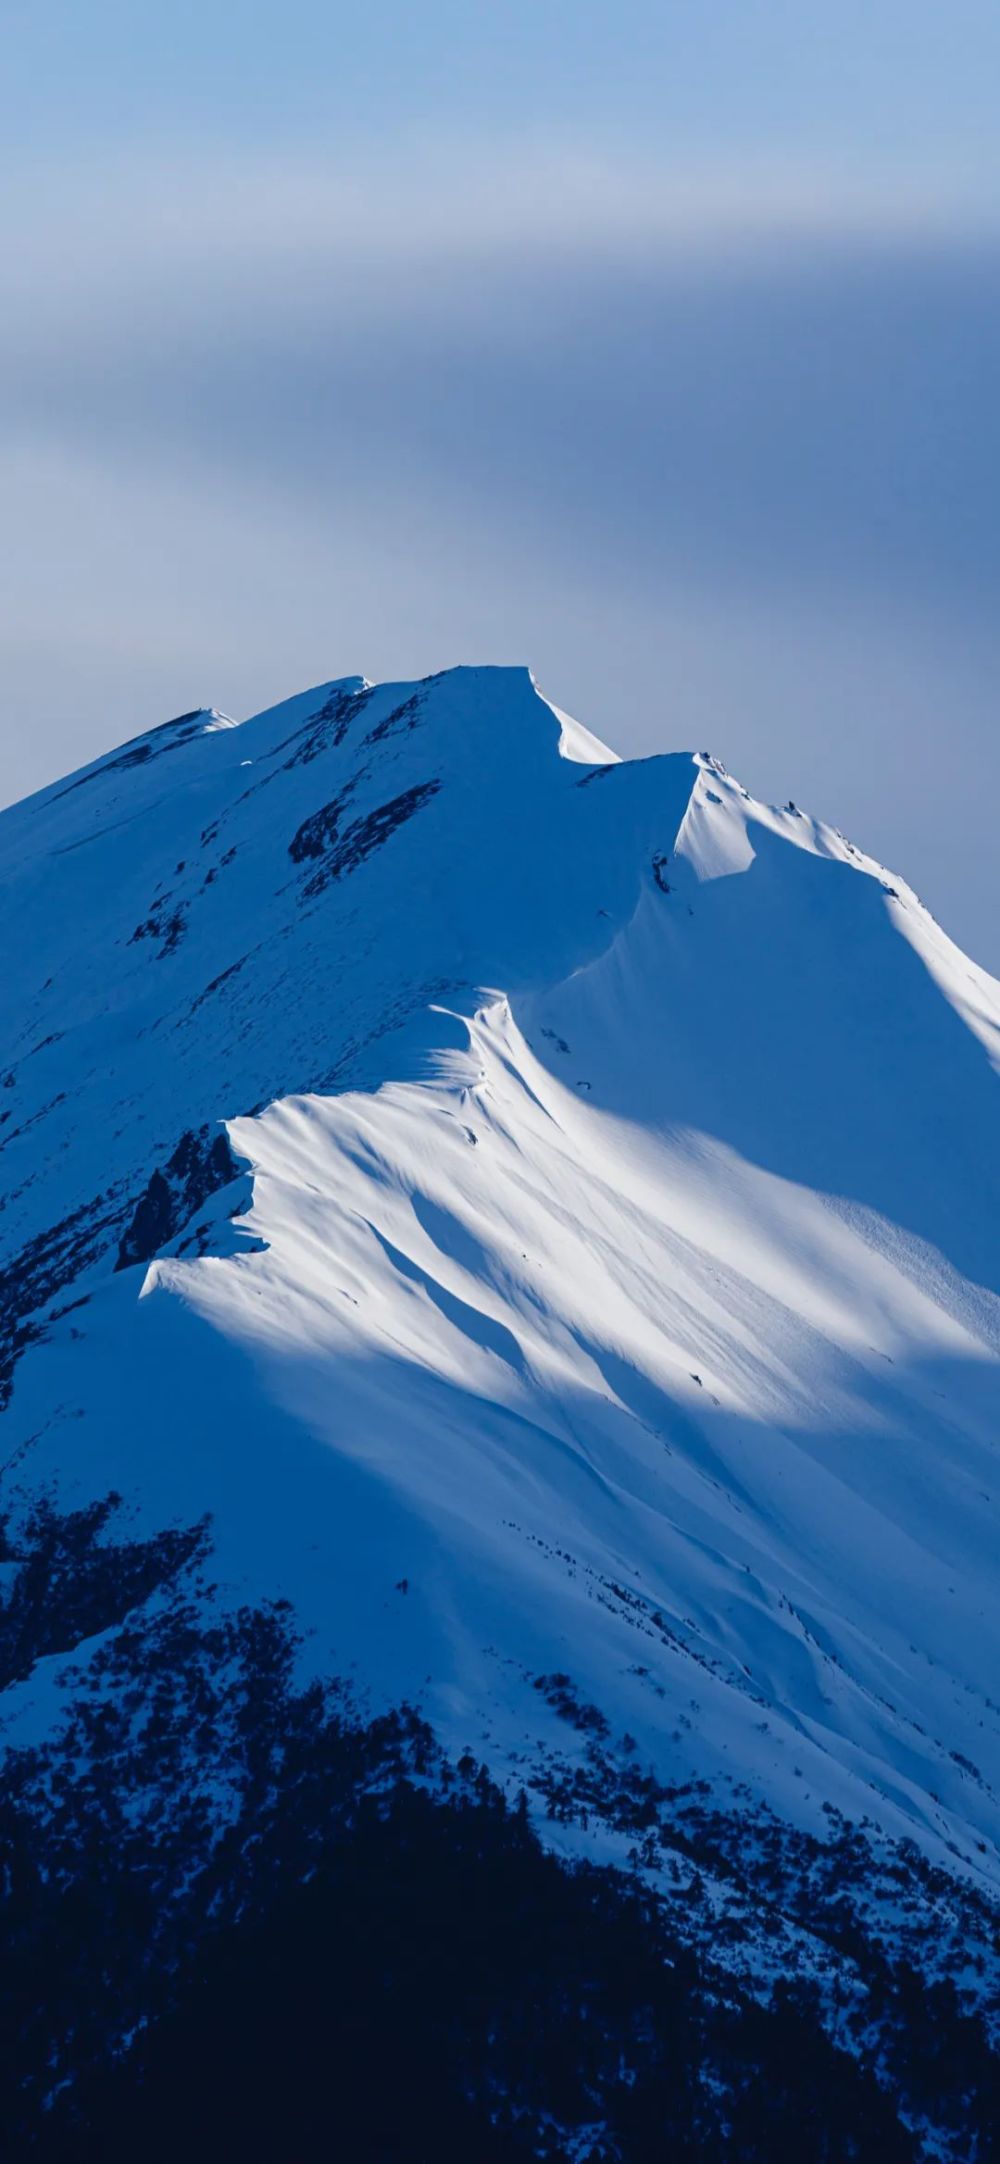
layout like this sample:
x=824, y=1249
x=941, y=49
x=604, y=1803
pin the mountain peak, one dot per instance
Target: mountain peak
x=577, y=1181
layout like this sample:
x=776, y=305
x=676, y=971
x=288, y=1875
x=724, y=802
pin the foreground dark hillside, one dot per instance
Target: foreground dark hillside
x=244, y=1920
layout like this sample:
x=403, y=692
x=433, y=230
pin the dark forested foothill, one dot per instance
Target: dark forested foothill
x=243, y=1918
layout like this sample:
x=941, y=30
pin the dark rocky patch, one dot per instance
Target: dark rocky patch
x=165, y=923
x=329, y=725
x=170, y=736
x=217, y=982
x=39, y=1272
x=136, y=756
x=401, y=719
x=319, y=832
x=71, y=1581
x=34, y=1119
x=325, y=729
x=560, y=1692
x=367, y=834
x=201, y=1165
x=185, y=723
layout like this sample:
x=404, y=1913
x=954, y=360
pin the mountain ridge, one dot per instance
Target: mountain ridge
x=542, y=1208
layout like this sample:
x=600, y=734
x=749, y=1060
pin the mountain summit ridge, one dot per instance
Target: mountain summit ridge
x=560, y=1187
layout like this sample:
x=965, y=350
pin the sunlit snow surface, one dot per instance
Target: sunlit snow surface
x=616, y=1284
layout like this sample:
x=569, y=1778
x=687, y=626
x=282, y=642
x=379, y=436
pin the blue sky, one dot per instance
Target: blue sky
x=657, y=346
x=908, y=91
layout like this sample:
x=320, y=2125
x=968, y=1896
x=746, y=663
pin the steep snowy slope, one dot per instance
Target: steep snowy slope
x=546, y=1209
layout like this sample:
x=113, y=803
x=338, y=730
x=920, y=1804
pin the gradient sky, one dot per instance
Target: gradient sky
x=657, y=346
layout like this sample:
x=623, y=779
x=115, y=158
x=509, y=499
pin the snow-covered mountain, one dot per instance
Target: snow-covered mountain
x=545, y=1208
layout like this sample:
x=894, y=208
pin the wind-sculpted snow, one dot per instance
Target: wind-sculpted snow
x=200, y=947
x=611, y=1319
